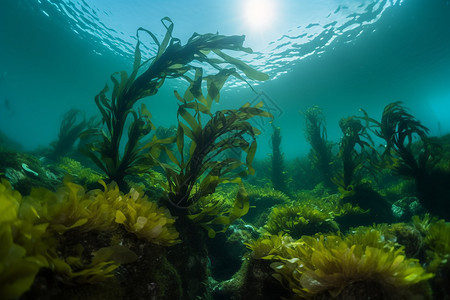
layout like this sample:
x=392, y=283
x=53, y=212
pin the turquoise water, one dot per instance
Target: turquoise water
x=340, y=55
x=183, y=229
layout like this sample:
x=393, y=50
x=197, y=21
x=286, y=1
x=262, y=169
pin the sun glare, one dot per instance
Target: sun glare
x=259, y=14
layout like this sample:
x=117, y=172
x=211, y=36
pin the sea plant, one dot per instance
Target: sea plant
x=19, y=264
x=278, y=171
x=71, y=127
x=196, y=173
x=71, y=207
x=210, y=212
x=298, y=219
x=328, y=265
x=316, y=135
x=436, y=243
x=413, y=160
x=172, y=60
x=354, y=154
x=399, y=129
x=48, y=229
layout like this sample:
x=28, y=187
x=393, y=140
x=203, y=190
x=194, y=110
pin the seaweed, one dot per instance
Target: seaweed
x=399, y=128
x=172, y=60
x=356, y=266
x=353, y=153
x=198, y=172
x=410, y=159
x=316, y=135
x=278, y=172
x=299, y=219
x=69, y=133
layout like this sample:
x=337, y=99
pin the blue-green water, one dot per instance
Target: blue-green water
x=66, y=233
x=340, y=55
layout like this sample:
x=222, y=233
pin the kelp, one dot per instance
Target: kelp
x=399, y=128
x=409, y=152
x=211, y=214
x=172, y=60
x=278, y=171
x=196, y=172
x=71, y=127
x=356, y=152
x=316, y=135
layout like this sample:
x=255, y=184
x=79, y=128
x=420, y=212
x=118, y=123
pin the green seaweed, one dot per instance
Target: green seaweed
x=278, y=172
x=399, y=128
x=353, y=153
x=197, y=172
x=172, y=60
x=410, y=159
x=316, y=135
x=69, y=133
x=298, y=220
x=336, y=266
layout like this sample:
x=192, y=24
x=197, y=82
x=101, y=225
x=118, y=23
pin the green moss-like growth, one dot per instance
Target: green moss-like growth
x=69, y=133
x=298, y=220
x=80, y=174
x=261, y=201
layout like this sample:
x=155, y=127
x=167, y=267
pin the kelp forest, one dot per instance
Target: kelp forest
x=118, y=207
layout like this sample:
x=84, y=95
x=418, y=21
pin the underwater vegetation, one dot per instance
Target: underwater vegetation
x=168, y=212
x=69, y=133
x=278, y=171
x=80, y=174
x=413, y=160
x=171, y=61
x=204, y=168
x=88, y=236
x=436, y=249
x=353, y=154
x=35, y=226
x=316, y=135
x=298, y=220
x=262, y=200
x=356, y=266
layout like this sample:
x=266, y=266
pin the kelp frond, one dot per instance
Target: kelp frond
x=172, y=60
x=197, y=171
x=316, y=135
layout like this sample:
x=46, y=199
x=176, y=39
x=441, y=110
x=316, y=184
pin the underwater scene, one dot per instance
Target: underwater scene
x=252, y=149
